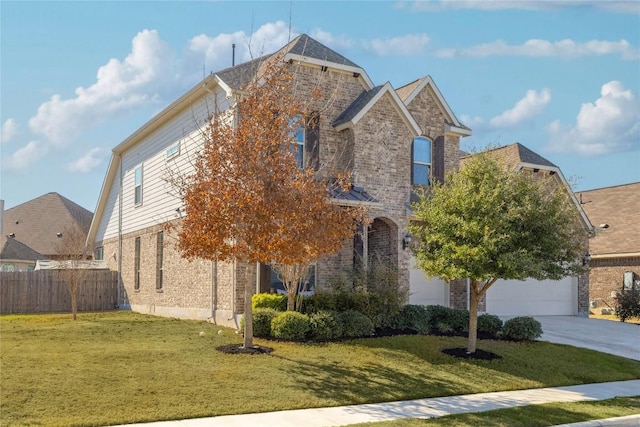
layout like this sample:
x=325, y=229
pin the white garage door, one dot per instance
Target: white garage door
x=533, y=297
x=426, y=291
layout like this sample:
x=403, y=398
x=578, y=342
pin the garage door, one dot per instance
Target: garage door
x=533, y=297
x=426, y=291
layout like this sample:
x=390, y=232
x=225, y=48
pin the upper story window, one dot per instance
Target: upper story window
x=307, y=140
x=137, y=197
x=99, y=253
x=299, y=137
x=172, y=151
x=421, y=172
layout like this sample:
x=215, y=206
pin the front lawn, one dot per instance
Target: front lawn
x=122, y=367
x=550, y=414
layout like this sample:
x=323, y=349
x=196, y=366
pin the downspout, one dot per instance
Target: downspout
x=120, y=285
x=214, y=290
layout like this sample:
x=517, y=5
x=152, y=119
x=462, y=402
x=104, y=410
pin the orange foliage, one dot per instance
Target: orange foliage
x=247, y=199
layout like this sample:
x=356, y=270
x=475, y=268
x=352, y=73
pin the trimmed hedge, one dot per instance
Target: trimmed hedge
x=325, y=326
x=273, y=301
x=261, y=321
x=414, y=318
x=355, y=324
x=446, y=319
x=523, y=328
x=290, y=325
x=489, y=324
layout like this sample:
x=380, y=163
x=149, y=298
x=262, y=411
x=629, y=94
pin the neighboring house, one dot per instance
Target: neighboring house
x=568, y=296
x=388, y=139
x=16, y=256
x=41, y=223
x=615, y=246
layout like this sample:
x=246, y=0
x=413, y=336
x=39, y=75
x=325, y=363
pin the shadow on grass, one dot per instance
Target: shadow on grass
x=372, y=383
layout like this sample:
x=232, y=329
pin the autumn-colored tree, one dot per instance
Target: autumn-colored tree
x=73, y=254
x=487, y=223
x=248, y=200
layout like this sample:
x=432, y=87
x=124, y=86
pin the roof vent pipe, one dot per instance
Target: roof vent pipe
x=233, y=54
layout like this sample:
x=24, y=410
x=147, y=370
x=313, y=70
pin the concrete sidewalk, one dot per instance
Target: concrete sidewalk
x=421, y=408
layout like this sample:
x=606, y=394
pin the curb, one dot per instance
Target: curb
x=629, y=420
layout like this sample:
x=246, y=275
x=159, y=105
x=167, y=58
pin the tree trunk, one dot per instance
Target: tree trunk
x=74, y=304
x=291, y=300
x=248, y=312
x=474, y=299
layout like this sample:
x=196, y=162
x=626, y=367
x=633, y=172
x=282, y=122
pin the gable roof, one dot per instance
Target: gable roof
x=365, y=101
x=12, y=249
x=409, y=91
x=517, y=157
x=618, y=207
x=236, y=77
x=310, y=51
x=35, y=223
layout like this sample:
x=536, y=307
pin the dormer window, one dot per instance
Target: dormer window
x=421, y=168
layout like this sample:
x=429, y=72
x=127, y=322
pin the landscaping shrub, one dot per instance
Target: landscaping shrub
x=265, y=300
x=459, y=319
x=325, y=325
x=446, y=320
x=290, y=325
x=414, y=318
x=355, y=324
x=628, y=304
x=523, y=328
x=261, y=321
x=489, y=324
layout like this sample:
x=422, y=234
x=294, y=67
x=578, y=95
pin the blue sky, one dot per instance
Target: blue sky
x=77, y=78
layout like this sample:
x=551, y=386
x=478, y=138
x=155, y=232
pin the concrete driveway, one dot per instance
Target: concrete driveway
x=621, y=339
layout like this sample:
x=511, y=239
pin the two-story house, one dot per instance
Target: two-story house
x=390, y=140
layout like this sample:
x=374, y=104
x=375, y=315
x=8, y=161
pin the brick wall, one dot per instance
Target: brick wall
x=605, y=277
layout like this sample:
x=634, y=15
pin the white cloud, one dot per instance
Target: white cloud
x=10, y=130
x=24, y=157
x=119, y=86
x=411, y=44
x=623, y=6
x=524, y=110
x=214, y=53
x=471, y=121
x=610, y=124
x=566, y=48
x=328, y=39
x=88, y=162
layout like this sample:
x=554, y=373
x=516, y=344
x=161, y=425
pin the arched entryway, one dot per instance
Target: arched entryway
x=379, y=245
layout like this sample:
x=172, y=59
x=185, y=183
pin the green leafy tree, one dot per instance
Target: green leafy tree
x=487, y=223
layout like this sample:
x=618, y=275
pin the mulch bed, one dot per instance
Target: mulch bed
x=478, y=355
x=241, y=349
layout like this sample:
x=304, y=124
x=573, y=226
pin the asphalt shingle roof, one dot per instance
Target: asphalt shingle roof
x=306, y=46
x=514, y=154
x=356, y=106
x=14, y=250
x=619, y=207
x=36, y=223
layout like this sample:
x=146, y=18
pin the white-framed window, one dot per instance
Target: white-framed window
x=421, y=172
x=305, y=288
x=298, y=134
x=137, y=196
x=99, y=253
x=173, y=151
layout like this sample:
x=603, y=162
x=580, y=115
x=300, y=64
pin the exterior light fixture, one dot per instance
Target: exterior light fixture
x=586, y=258
x=59, y=235
x=405, y=241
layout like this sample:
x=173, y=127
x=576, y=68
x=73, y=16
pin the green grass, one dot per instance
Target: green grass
x=123, y=367
x=528, y=416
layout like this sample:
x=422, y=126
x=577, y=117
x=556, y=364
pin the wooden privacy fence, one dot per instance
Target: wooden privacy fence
x=42, y=291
